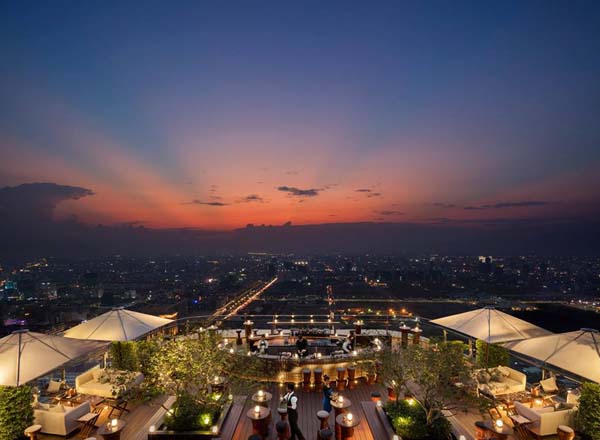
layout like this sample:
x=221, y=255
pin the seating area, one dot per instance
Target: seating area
x=499, y=381
x=106, y=382
x=545, y=420
x=59, y=419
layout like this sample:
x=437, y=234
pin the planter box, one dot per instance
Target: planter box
x=192, y=435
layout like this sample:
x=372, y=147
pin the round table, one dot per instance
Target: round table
x=32, y=431
x=346, y=426
x=565, y=432
x=492, y=430
x=263, y=400
x=340, y=407
x=112, y=432
x=260, y=420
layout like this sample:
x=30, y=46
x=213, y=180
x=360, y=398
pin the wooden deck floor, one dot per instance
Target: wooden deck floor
x=309, y=403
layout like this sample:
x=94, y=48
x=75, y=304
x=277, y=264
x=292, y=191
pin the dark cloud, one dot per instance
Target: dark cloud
x=521, y=204
x=363, y=190
x=297, y=192
x=390, y=212
x=252, y=198
x=368, y=192
x=200, y=202
x=292, y=172
x=443, y=205
x=374, y=194
x=37, y=200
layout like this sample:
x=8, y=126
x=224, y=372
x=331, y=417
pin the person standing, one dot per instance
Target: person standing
x=327, y=394
x=292, y=409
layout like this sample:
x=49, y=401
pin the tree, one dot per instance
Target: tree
x=431, y=375
x=588, y=414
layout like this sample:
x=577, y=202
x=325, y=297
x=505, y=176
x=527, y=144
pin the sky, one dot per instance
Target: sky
x=215, y=115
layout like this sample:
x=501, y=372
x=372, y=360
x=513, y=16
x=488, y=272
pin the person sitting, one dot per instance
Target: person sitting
x=347, y=345
x=302, y=346
x=263, y=344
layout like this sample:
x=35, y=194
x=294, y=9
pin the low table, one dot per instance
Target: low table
x=32, y=431
x=341, y=407
x=346, y=427
x=260, y=420
x=263, y=400
x=112, y=432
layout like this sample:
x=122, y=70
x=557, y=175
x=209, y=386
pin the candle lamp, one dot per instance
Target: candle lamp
x=349, y=417
x=257, y=410
x=499, y=423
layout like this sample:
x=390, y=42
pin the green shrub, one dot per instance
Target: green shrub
x=190, y=415
x=588, y=415
x=146, y=351
x=124, y=356
x=16, y=412
x=490, y=355
x=410, y=422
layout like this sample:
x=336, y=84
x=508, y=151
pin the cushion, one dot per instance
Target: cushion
x=549, y=385
x=562, y=405
x=483, y=376
x=497, y=375
x=97, y=373
x=54, y=386
x=504, y=370
x=57, y=409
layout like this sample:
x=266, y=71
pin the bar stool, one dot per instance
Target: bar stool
x=323, y=417
x=318, y=373
x=282, y=428
x=341, y=378
x=326, y=434
x=351, y=377
x=306, y=379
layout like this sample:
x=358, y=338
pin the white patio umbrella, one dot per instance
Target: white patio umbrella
x=25, y=356
x=491, y=325
x=577, y=352
x=117, y=325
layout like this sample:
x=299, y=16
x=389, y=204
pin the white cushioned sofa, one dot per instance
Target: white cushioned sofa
x=500, y=381
x=105, y=382
x=544, y=421
x=59, y=419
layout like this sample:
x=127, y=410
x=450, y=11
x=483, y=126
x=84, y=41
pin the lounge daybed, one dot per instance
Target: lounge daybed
x=545, y=421
x=500, y=381
x=59, y=419
x=106, y=382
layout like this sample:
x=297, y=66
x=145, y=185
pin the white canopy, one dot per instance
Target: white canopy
x=491, y=325
x=577, y=352
x=117, y=325
x=25, y=356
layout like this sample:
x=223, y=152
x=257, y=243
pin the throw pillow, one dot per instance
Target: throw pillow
x=497, y=375
x=504, y=370
x=54, y=386
x=549, y=385
x=483, y=377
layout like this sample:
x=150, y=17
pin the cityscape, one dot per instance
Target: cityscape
x=311, y=220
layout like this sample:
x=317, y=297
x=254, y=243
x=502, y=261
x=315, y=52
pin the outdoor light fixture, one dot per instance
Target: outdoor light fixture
x=354, y=353
x=379, y=404
x=411, y=401
x=152, y=428
x=214, y=429
x=231, y=350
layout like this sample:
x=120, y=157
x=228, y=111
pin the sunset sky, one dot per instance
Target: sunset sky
x=214, y=115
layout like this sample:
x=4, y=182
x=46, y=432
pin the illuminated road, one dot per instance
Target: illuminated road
x=241, y=301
